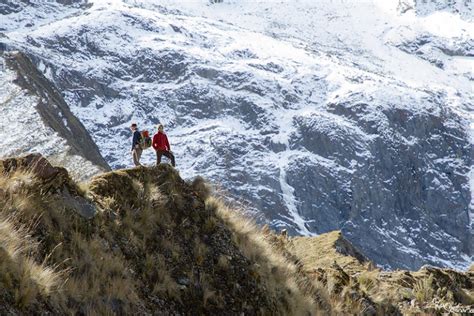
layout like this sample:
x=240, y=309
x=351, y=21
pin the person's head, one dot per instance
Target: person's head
x=133, y=127
x=160, y=128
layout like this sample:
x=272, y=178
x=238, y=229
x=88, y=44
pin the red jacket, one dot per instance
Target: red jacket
x=160, y=142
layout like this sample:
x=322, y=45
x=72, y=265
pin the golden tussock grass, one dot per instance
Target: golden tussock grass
x=270, y=267
x=154, y=239
x=423, y=290
x=41, y=230
x=368, y=280
x=18, y=269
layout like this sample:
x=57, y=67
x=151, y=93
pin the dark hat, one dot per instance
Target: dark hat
x=133, y=125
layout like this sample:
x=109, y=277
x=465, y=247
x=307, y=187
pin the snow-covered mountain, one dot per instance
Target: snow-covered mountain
x=465, y=8
x=35, y=118
x=325, y=114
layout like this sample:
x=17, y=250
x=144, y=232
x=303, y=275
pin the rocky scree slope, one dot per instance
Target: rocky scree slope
x=316, y=136
x=145, y=241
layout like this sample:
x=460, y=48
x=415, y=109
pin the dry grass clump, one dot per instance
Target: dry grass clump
x=271, y=268
x=368, y=280
x=18, y=248
x=223, y=263
x=20, y=275
x=43, y=230
x=157, y=272
x=423, y=289
x=190, y=255
x=201, y=187
x=209, y=293
x=200, y=250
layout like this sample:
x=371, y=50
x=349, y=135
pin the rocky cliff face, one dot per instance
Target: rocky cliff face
x=53, y=109
x=35, y=118
x=318, y=127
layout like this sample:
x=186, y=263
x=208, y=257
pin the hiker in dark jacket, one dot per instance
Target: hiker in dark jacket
x=162, y=146
x=136, y=148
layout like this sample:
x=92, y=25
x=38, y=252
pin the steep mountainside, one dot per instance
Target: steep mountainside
x=144, y=241
x=323, y=114
x=422, y=7
x=35, y=118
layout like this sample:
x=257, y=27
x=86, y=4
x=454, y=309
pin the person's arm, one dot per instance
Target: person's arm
x=155, y=142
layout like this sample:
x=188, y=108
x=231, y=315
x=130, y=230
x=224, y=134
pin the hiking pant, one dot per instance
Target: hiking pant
x=165, y=153
x=137, y=154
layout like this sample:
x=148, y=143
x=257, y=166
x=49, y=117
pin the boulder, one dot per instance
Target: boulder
x=34, y=163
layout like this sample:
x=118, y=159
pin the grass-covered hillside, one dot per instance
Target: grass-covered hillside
x=347, y=274
x=144, y=241
x=132, y=242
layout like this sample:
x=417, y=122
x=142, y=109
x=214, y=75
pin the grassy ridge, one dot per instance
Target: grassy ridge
x=144, y=241
x=154, y=244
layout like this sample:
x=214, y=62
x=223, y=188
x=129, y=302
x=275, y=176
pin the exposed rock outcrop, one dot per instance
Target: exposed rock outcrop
x=48, y=178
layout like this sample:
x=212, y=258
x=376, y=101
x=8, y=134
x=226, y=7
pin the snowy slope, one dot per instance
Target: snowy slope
x=463, y=8
x=324, y=115
x=24, y=131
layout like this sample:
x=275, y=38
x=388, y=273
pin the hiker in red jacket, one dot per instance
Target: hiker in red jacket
x=162, y=146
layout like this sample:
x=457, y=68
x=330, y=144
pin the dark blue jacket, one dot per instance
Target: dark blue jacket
x=136, y=139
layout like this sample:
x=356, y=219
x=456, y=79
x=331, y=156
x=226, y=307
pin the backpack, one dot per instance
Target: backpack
x=145, y=140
